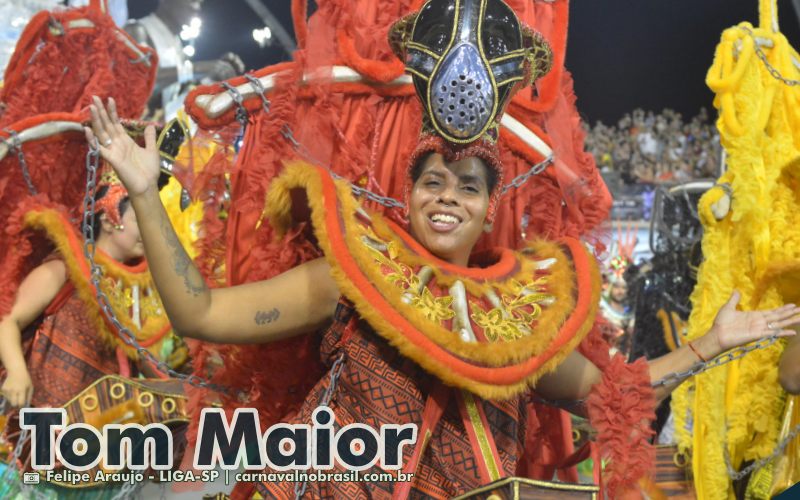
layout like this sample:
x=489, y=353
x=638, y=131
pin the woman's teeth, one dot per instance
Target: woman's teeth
x=444, y=219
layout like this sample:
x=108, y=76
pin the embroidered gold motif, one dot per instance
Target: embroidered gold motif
x=512, y=319
x=400, y=275
x=434, y=308
x=151, y=304
x=121, y=298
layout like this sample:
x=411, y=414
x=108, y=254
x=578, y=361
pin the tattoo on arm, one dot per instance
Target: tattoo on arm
x=267, y=317
x=192, y=280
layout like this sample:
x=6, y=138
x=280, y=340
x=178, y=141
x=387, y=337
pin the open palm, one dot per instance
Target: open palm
x=735, y=328
x=137, y=167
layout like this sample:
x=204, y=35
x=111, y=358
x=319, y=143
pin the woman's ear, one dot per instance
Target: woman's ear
x=105, y=225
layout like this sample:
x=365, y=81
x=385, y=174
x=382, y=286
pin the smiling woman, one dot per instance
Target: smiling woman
x=449, y=204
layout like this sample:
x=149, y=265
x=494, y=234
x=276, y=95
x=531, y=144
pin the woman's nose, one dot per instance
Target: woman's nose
x=448, y=196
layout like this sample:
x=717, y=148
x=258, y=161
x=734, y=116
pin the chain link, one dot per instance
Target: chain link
x=720, y=360
x=96, y=272
x=327, y=397
x=733, y=355
x=385, y=201
x=521, y=179
x=238, y=99
x=262, y=92
x=16, y=146
x=758, y=464
x=11, y=473
x=771, y=69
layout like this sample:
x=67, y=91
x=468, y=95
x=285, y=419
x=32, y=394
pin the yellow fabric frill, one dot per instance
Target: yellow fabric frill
x=740, y=405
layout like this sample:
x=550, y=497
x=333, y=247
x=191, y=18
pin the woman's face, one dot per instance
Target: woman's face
x=124, y=244
x=448, y=206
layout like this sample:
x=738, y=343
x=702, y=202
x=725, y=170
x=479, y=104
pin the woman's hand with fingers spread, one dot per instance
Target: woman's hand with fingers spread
x=137, y=167
x=734, y=328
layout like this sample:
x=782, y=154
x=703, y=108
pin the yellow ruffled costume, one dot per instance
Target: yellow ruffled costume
x=741, y=404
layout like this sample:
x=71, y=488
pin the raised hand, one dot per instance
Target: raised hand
x=137, y=167
x=733, y=328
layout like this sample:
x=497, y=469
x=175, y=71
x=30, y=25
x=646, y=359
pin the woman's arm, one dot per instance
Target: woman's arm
x=574, y=378
x=295, y=302
x=570, y=381
x=35, y=293
x=789, y=368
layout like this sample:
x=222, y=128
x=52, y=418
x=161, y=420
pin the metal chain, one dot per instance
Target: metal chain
x=11, y=474
x=327, y=397
x=336, y=372
x=733, y=355
x=262, y=92
x=13, y=469
x=238, y=99
x=758, y=464
x=720, y=360
x=16, y=146
x=521, y=179
x=385, y=201
x=96, y=272
x=771, y=69
x=13, y=463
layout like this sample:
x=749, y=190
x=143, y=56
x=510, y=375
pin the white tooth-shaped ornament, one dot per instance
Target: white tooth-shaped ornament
x=376, y=245
x=461, y=322
x=136, y=315
x=424, y=276
x=545, y=264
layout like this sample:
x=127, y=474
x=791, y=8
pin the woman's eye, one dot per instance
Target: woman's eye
x=471, y=189
x=432, y=183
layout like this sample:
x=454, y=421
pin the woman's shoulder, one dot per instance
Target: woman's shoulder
x=52, y=269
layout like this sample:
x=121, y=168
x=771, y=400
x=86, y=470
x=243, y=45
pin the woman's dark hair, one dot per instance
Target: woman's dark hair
x=99, y=194
x=491, y=175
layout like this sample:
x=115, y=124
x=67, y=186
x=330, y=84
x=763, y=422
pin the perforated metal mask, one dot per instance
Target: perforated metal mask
x=466, y=56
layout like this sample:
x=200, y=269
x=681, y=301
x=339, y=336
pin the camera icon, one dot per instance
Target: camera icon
x=30, y=478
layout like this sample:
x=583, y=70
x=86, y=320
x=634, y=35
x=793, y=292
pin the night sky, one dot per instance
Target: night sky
x=623, y=53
